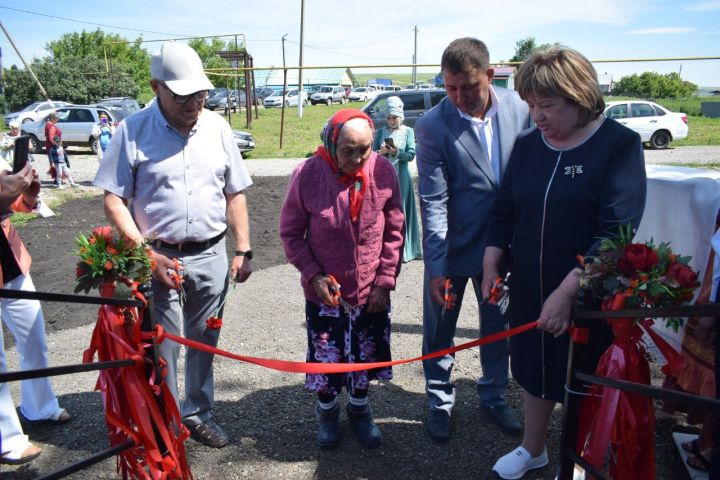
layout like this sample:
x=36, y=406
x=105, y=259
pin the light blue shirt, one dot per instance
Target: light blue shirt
x=176, y=185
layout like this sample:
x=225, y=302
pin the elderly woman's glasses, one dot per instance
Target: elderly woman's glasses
x=181, y=99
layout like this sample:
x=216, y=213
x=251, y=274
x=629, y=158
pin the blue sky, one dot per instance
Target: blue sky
x=377, y=32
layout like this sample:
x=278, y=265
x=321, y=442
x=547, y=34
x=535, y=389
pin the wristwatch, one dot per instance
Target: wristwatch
x=247, y=254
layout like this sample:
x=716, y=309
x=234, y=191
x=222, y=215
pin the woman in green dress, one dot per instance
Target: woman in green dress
x=396, y=142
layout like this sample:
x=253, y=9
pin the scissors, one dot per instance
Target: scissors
x=499, y=294
x=337, y=298
x=449, y=298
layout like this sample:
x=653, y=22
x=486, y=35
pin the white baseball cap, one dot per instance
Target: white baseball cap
x=179, y=66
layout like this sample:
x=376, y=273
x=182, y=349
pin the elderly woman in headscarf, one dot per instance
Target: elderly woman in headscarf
x=7, y=144
x=397, y=142
x=341, y=225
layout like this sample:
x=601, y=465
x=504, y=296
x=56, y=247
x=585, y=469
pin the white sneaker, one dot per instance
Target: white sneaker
x=518, y=462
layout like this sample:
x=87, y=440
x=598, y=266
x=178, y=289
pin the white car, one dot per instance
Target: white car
x=277, y=99
x=34, y=112
x=362, y=94
x=656, y=125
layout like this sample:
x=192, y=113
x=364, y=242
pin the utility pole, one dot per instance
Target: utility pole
x=414, y=69
x=282, y=112
x=42, y=89
x=300, y=72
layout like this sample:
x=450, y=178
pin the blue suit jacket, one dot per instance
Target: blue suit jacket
x=456, y=182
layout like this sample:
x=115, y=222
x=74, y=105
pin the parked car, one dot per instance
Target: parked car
x=393, y=88
x=362, y=94
x=410, y=87
x=220, y=100
x=415, y=104
x=277, y=99
x=76, y=123
x=329, y=95
x=34, y=112
x=260, y=95
x=128, y=103
x=244, y=141
x=656, y=125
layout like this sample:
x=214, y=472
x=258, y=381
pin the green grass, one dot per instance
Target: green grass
x=301, y=136
x=702, y=131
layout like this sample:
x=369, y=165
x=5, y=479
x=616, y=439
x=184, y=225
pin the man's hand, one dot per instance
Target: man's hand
x=164, y=266
x=437, y=290
x=240, y=269
x=378, y=300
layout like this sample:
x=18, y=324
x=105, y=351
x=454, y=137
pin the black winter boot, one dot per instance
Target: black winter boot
x=361, y=422
x=328, y=434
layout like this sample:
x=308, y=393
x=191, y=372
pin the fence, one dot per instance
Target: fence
x=151, y=353
x=577, y=381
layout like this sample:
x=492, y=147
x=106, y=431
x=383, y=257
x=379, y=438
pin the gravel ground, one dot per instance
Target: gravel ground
x=267, y=414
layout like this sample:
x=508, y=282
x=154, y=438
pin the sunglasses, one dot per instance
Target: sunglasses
x=181, y=99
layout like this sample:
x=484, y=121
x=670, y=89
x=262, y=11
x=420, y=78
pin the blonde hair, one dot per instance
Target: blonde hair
x=562, y=72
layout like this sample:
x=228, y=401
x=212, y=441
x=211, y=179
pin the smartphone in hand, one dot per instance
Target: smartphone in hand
x=389, y=142
x=22, y=149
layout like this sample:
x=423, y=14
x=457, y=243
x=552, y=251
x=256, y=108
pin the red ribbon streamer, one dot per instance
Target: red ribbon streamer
x=135, y=407
x=610, y=417
x=304, y=367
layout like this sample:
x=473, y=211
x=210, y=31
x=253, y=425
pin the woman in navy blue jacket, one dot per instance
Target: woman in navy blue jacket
x=576, y=177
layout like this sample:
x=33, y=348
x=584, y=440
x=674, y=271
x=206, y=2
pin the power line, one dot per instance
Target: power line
x=87, y=23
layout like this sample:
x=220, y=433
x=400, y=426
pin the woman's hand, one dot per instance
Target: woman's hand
x=491, y=262
x=378, y=300
x=555, y=315
x=324, y=289
x=384, y=150
x=393, y=151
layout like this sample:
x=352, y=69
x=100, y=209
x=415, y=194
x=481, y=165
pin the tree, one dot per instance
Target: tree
x=207, y=51
x=654, y=85
x=114, y=53
x=527, y=46
x=73, y=80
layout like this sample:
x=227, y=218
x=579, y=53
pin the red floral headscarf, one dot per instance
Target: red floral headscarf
x=356, y=183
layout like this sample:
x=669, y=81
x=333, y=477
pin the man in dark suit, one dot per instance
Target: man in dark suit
x=463, y=146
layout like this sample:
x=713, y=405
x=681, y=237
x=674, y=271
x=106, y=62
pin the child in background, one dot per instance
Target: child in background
x=104, y=131
x=61, y=162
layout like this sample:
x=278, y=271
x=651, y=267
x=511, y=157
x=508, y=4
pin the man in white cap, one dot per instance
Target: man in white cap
x=183, y=173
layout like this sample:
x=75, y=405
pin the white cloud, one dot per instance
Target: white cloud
x=662, y=31
x=707, y=6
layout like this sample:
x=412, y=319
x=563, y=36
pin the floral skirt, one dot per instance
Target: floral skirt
x=335, y=336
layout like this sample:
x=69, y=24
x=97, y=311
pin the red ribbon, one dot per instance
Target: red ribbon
x=610, y=417
x=304, y=367
x=134, y=406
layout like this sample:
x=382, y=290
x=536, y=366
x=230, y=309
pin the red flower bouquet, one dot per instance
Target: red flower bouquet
x=106, y=258
x=645, y=275
x=626, y=275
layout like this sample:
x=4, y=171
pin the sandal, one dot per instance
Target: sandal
x=18, y=458
x=698, y=462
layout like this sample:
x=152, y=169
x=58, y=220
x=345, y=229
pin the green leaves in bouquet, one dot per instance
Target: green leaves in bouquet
x=104, y=257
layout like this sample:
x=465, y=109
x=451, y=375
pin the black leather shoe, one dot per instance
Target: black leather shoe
x=438, y=425
x=367, y=433
x=505, y=417
x=328, y=434
x=208, y=432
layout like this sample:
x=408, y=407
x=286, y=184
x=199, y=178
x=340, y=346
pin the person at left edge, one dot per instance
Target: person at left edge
x=179, y=165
